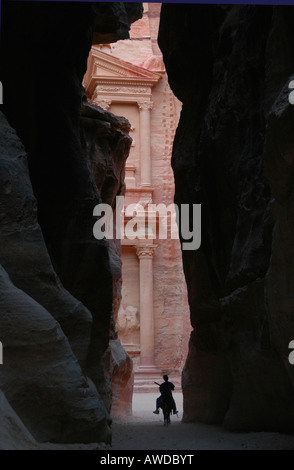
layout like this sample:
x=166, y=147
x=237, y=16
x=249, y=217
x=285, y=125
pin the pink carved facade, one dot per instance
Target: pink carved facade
x=128, y=78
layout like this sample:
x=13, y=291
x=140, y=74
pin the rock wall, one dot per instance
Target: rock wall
x=59, y=157
x=233, y=153
x=57, y=163
x=106, y=142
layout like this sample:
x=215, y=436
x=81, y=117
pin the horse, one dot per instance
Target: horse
x=166, y=404
x=166, y=407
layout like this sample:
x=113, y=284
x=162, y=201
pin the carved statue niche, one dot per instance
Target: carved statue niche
x=127, y=320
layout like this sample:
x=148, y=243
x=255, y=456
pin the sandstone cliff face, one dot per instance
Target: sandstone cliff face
x=107, y=143
x=233, y=153
x=57, y=281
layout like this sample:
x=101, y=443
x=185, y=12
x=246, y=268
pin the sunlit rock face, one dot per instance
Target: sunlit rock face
x=58, y=160
x=233, y=154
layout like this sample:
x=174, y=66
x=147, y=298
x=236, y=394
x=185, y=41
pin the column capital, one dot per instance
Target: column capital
x=104, y=104
x=146, y=251
x=145, y=105
x=99, y=100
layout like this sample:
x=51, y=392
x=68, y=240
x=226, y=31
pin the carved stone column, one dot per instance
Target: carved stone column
x=146, y=175
x=147, y=370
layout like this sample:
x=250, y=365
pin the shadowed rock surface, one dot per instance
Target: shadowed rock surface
x=42, y=377
x=59, y=274
x=107, y=144
x=15, y=436
x=23, y=251
x=233, y=154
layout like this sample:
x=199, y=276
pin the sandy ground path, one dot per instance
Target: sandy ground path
x=145, y=431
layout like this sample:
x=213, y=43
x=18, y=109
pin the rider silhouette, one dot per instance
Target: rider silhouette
x=166, y=389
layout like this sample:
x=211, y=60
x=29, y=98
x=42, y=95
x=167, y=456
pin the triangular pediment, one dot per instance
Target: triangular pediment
x=105, y=65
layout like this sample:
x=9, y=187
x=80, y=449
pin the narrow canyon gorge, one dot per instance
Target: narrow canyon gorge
x=64, y=368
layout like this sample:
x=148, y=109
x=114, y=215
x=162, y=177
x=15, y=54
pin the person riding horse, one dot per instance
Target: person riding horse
x=166, y=389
